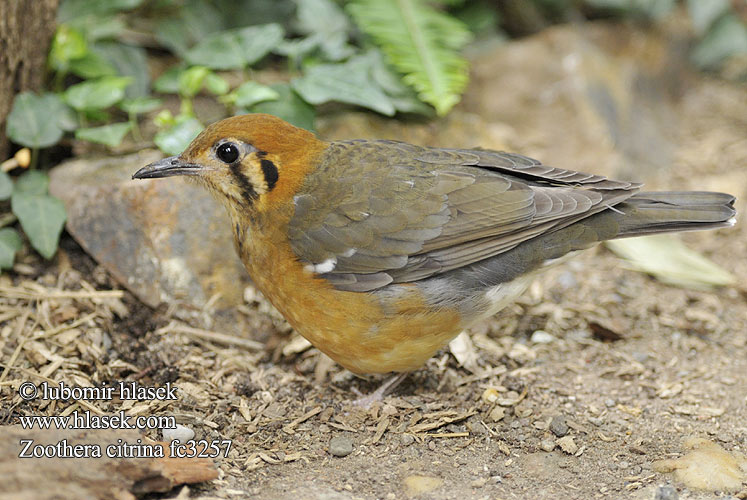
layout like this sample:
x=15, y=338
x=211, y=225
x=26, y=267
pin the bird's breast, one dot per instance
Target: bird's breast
x=395, y=330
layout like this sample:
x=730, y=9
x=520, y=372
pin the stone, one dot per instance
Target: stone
x=340, y=446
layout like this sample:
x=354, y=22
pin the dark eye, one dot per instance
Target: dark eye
x=227, y=152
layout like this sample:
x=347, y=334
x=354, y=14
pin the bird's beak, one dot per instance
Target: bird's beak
x=173, y=165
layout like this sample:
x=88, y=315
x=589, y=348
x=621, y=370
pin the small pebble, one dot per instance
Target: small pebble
x=407, y=439
x=181, y=433
x=547, y=445
x=596, y=420
x=609, y=403
x=558, y=426
x=666, y=493
x=340, y=446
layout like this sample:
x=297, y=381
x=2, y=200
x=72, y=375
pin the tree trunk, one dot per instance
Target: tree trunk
x=26, y=28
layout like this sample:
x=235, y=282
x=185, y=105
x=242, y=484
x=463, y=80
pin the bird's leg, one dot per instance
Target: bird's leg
x=389, y=385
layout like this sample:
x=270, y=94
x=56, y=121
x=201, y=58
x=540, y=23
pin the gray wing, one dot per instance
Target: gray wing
x=433, y=210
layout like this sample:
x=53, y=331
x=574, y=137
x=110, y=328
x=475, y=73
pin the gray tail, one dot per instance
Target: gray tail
x=672, y=211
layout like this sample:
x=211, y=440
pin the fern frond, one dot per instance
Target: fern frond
x=420, y=42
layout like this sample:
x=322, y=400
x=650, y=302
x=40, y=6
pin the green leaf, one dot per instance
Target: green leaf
x=420, y=42
x=92, y=65
x=235, y=49
x=97, y=94
x=216, y=84
x=42, y=218
x=669, y=260
x=110, y=135
x=140, y=105
x=168, y=82
x=38, y=121
x=32, y=182
x=349, y=82
x=728, y=37
x=68, y=44
x=194, y=21
x=72, y=9
x=250, y=93
x=192, y=80
x=174, y=140
x=128, y=61
x=288, y=106
x=6, y=186
x=10, y=243
x=327, y=26
x=704, y=13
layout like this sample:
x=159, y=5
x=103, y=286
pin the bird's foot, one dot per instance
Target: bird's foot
x=365, y=401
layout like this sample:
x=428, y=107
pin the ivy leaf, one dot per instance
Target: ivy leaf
x=237, y=48
x=10, y=243
x=327, y=26
x=97, y=94
x=32, y=182
x=191, y=80
x=174, y=140
x=289, y=107
x=68, y=45
x=42, y=218
x=703, y=14
x=38, y=121
x=110, y=135
x=728, y=37
x=216, y=84
x=128, y=61
x=349, y=82
x=140, y=105
x=168, y=82
x=420, y=42
x=92, y=65
x=6, y=186
x=250, y=93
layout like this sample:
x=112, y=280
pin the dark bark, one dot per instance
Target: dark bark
x=26, y=29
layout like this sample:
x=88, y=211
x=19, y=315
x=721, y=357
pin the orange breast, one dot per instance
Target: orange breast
x=364, y=332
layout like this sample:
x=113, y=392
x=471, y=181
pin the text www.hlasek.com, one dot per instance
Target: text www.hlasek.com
x=86, y=420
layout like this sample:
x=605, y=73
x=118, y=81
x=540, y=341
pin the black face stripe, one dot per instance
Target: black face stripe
x=270, y=172
x=247, y=190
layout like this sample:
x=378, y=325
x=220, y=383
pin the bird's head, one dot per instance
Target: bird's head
x=250, y=161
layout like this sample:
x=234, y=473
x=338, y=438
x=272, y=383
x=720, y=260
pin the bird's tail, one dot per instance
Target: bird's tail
x=673, y=211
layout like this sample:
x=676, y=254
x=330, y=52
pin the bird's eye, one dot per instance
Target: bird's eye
x=227, y=152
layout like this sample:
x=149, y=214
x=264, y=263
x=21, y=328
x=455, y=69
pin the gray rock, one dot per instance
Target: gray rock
x=340, y=446
x=558, y=426
x=666, y=492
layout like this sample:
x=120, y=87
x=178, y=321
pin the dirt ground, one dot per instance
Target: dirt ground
x=572, y=392
x=632, y=366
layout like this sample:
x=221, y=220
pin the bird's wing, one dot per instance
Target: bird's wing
x=377, y=212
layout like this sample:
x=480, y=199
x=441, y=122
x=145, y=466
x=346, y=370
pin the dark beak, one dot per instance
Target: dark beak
x=173, y=165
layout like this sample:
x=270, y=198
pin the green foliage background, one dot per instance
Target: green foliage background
x=389, y=56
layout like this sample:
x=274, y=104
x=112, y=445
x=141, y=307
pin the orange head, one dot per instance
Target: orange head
x=249, y=161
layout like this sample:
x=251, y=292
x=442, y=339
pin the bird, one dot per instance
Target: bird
x=380, y=252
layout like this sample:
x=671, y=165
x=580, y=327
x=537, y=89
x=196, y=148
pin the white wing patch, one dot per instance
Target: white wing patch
x=323, y=267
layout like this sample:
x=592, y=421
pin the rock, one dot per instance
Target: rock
x=340, y=446
x=407, y=439
x=181, y=433
x=165, y=241
x=707, y=467
x=418, y=485
x=666, y=492
x=547, y=445
x=558, y=426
